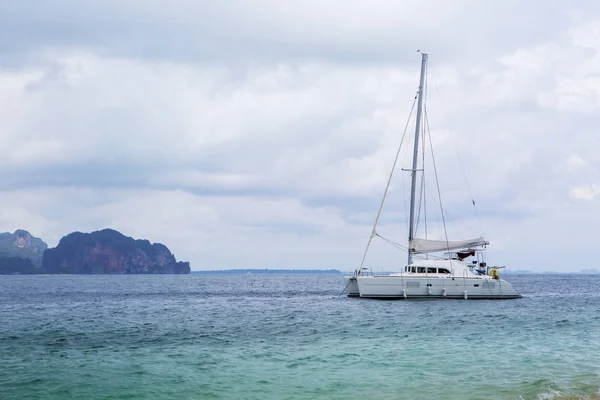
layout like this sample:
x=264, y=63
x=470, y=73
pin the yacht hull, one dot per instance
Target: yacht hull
x=351, y=286
x=403, y=287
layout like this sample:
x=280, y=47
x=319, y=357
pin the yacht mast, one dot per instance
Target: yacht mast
x=411, y=228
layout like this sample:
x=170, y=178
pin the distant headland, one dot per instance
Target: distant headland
x=101, y=252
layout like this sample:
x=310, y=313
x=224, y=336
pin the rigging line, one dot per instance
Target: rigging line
x=422, y=204
x=397, y=245
x=405, y=205
x=425, y=206
x=374, y=232
x=342, y=292
x=437, y=182
x=426, y=88
x=424, y=194
x=457, y=153
x=421, y=189
x=424, y=139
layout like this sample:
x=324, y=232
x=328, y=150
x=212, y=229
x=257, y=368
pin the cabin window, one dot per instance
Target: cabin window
x=431, y=270
x=476, y=285
x=443, y=271
x=414, y=269
x=421, y=270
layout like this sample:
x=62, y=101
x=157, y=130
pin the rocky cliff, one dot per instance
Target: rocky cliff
x=21, y=253
x=110, y=252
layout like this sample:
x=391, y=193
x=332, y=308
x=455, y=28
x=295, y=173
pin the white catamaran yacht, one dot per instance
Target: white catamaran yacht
x=449, y=276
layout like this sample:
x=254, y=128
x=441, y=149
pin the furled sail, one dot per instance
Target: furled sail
x=431, y=246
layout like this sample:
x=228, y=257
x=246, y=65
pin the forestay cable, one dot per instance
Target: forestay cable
x=374, y=231
x=437, y=183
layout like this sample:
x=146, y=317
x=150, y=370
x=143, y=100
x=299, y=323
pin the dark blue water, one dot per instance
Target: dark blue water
x=291, y=337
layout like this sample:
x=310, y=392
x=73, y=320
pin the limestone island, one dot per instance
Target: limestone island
x=101, y=252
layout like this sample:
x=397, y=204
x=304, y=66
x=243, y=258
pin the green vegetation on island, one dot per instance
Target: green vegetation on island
x=101, y=252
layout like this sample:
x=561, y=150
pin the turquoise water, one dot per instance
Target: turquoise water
x=291, y=337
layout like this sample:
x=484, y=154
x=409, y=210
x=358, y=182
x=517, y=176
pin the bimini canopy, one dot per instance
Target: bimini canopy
x=431, y=246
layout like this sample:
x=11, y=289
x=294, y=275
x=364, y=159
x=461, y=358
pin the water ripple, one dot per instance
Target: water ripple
x=292, y=337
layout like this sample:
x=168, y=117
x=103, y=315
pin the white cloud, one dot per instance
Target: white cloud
x=585, y=192
x=262, y=135
x=574, y=162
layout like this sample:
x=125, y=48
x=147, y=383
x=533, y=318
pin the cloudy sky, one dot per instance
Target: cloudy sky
x=260, y=134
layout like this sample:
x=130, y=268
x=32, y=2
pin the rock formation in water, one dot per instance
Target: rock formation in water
x=21, y=253
x=110, y=252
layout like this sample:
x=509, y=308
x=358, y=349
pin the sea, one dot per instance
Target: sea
x=292, y=336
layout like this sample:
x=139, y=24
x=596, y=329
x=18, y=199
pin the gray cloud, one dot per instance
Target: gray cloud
x=267, y=132
x=265, y=30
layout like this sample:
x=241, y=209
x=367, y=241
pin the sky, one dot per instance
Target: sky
x=260, y=134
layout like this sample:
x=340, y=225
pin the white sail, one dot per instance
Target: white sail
x=430, y=246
